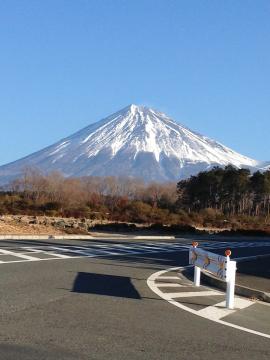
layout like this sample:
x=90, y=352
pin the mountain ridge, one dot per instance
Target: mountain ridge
x=136, y=141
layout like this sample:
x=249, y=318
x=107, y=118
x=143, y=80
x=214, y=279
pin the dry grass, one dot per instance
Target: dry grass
x=13, y=228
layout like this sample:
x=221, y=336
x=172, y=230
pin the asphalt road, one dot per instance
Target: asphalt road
x=100, y=307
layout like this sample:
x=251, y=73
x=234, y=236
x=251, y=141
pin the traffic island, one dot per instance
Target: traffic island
x=252, y=278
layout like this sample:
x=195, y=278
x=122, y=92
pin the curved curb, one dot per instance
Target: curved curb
x=151, y=282
x=239, y=289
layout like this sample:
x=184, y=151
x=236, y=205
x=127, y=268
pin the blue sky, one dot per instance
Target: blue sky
x=67, y=63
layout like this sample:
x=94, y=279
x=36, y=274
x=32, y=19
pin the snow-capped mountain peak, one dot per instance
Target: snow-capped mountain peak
x=136, y=141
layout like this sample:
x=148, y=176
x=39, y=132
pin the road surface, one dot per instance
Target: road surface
x=90, y=300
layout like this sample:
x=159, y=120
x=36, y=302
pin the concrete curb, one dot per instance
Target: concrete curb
x=46, y=237
x=83, y=237
x=239, y=289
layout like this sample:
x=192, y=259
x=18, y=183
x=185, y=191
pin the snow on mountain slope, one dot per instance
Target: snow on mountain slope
x=264, y=166
x=136, y=141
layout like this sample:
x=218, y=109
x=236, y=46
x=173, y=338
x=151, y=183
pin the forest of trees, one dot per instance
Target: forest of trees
x=229, y=197
x=231, y=191
x=113, y=198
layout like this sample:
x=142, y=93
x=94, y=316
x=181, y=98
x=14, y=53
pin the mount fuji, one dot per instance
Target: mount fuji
x=137, y=141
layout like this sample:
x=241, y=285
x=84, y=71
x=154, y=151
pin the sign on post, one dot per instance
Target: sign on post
x=221, y=267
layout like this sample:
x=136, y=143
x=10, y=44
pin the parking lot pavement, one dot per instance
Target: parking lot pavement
x=100, y=307
x=23, y=251
x=248, y=315
x=254, y=273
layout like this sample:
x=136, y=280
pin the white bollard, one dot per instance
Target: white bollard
x=197, y=270
x=197, y=276
x=230, y=294
x=231, y=270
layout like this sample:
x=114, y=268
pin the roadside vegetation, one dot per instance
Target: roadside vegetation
x=222, y=199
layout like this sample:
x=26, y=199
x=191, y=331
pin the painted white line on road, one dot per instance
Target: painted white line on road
x=149, y=248
x=172, y=245
x=218, y=311
x=151, y=282
x=73, y=251
x=168, y=278
x=37, y=251
x=56, y=251
x=30, y=249
x=121, y=249
x=162, y=284
x=61, y=256
x=46, y=259
x=191, y=294
x=22, y=256
x=145, y=237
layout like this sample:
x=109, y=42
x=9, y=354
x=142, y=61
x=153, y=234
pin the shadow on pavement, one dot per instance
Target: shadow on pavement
x=108, y=285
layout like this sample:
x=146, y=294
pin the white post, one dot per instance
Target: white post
x=197, y=276
x=231, y=269
x=197, y=270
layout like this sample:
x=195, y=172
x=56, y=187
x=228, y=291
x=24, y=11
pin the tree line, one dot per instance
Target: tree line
x=112, y=198
x=231, y=191
x=220, y=198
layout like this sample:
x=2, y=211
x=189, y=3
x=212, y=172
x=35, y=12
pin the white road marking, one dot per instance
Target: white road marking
x=191, y=294
x=103, y=250
x=37, y=251
x=162, y=284
x=73, y=251
x=151, y=282
x=31, y=249
x=218, y=311
x=61, y=256
x=22, y=256
x=168, y=278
